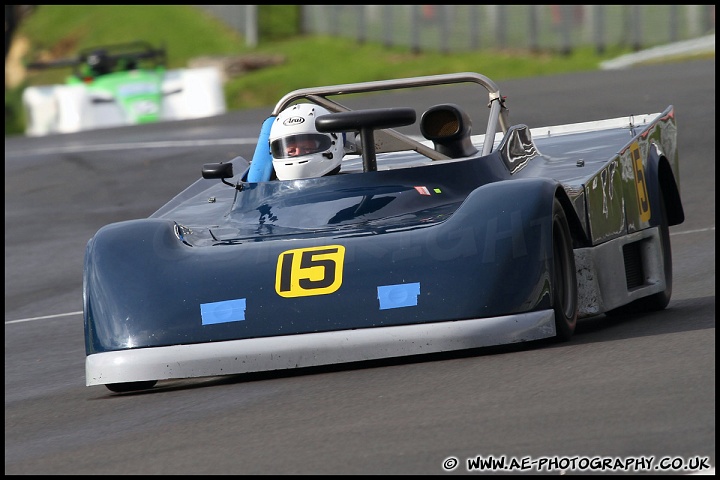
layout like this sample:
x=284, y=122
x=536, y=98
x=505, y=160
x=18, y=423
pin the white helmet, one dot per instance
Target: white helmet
x=298, y=149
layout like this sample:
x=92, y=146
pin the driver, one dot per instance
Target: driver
x=99, y=62
x=298, y=149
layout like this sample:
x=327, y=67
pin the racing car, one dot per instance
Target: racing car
x=422, y=243
x=120, y=84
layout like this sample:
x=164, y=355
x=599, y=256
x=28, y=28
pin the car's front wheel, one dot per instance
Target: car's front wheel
x=564, y=280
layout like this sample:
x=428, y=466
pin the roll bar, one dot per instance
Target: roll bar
x=498, y=117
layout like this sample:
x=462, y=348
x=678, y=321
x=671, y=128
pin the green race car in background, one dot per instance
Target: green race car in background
x=123, y=84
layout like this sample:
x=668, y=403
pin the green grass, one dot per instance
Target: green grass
x=59, y=31
x=343, y=61
x=187, y=31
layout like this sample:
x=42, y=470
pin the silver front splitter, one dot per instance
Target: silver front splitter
x=313, y=349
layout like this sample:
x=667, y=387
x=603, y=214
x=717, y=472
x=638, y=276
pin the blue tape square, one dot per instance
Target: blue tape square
x=396, y=296
x=223, y=312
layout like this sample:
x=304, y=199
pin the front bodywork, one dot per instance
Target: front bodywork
x=418, y=255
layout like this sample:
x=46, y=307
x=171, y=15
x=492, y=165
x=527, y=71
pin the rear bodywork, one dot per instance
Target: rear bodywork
x=414, y=251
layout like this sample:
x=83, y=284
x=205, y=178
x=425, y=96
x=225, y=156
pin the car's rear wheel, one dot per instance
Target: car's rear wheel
x=564, y=284
x=130, y=386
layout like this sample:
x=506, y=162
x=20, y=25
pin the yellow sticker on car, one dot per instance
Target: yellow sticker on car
x=303, y=272
x=640, y=184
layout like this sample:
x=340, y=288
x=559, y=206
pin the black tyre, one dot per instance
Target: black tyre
x=660, y=300
x=130, y=386
x=564, y=280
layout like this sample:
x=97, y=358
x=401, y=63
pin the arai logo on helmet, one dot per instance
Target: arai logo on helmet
x=293, y=121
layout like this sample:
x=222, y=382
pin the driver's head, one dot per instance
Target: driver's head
x=99, y=62
x=298, y=149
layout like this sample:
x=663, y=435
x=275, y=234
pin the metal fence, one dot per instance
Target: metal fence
x=462, y=28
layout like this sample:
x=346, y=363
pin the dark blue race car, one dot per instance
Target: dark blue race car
x=423, y=243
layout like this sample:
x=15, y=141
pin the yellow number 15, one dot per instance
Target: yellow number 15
x=309, y=271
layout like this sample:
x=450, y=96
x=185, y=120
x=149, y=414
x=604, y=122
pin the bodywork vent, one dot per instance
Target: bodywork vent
x=634, y=274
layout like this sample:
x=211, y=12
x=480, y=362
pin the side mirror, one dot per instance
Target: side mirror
x=218, y=170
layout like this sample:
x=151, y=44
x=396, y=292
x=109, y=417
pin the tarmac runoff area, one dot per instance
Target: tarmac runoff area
x=695, y=46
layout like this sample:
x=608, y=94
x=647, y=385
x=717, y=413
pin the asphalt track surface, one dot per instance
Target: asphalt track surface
x=622, y=388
